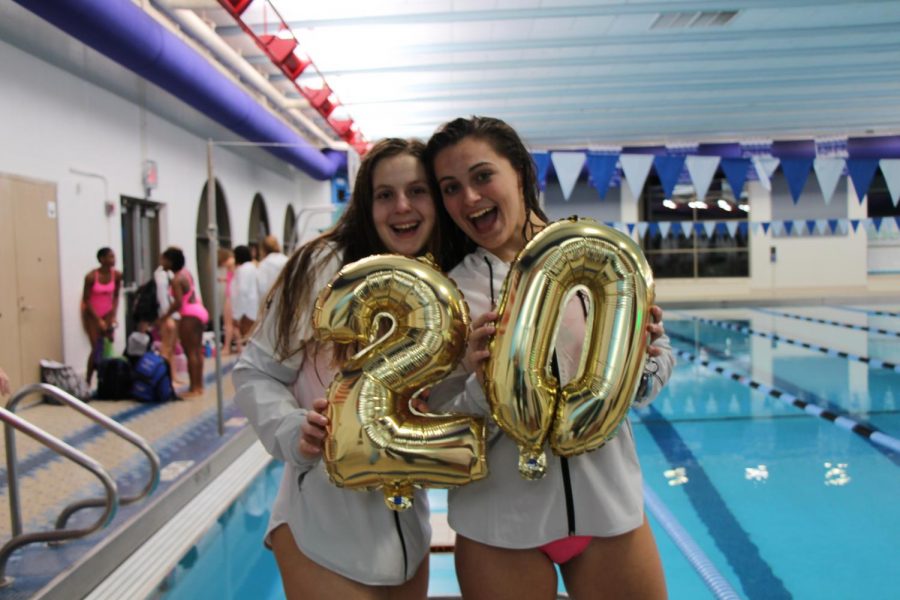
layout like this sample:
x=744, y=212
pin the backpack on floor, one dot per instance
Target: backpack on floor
x=114, y=379
x=65, y=378
x=152, y=379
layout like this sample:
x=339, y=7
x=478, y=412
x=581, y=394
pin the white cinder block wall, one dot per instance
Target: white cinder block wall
x=58, y=126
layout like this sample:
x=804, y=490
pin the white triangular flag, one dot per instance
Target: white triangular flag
x=702, y=170
x=890, y=168
x=777, y=228
x=755, y=227
x=828, y=172
x=568, y=167
x=822, y=226
x=765, y=166
x=732, y=227
x=636, y=168
x=710, y=227
x=642, y=228
x=799, y=228
x=664, y=227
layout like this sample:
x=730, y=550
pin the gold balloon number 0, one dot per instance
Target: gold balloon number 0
x=611, y=273
x=374, y=440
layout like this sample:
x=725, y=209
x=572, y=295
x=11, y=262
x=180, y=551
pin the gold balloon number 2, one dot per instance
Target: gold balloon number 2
x=608, y=268
x=374, y=440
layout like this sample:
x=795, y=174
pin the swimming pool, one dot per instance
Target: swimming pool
x=774, y=448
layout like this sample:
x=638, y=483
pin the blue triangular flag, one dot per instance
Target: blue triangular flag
x=542, y=165
x=788, y=226
x=877, y=222
x=669, y=170
x=765, y=226
x=654, y=229
x=676, y=229
x=796, y=170
x=630, y=227
x=811, y=226
x=855, y=223
x=742, y=228
x=862, y=170
x=735, y=170
x=602, y=167
x=833, y=223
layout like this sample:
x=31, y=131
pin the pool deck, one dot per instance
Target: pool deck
x=184, y=433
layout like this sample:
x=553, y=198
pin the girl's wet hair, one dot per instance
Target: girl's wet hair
x=504, y=140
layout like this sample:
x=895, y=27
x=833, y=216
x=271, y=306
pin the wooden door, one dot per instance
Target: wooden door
x=30, y=298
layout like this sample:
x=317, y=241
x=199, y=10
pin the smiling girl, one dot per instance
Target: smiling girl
x=586, y=514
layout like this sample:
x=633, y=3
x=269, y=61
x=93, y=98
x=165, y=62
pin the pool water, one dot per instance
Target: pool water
x=779, y=502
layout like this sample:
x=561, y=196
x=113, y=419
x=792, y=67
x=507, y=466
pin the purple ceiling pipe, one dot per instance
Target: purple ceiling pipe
x=129, y=36
x=654, y=150
x=874, y=147
x=794, y=149
x=723, y=149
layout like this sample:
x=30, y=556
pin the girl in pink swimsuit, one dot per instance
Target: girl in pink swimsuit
x=194, y=317
x=99, y=304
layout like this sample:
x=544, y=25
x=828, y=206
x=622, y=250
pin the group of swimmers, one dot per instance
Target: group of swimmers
x=469, y=197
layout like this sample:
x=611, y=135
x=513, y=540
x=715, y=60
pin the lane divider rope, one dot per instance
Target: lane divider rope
x=870, y=433
x=872, y=362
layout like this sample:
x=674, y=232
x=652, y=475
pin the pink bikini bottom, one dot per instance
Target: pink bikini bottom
x=196, y=310
x=565, y=549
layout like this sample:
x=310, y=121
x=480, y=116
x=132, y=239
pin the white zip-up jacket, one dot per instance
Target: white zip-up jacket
x=594, y=494
x=347, y=531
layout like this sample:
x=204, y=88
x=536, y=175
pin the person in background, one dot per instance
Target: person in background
x=244, y=294
x=166, y=326
x=224, y=279
x=271, y=264
x=331, y=542
x=99, y=305
x=194, y=317
x=586, y=514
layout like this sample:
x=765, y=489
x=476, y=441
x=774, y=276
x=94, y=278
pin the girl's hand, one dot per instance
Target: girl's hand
x=312, y=432
x=655, y=330
x=476, y=351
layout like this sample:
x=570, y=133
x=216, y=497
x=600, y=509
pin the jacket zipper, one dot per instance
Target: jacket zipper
x=402, y=544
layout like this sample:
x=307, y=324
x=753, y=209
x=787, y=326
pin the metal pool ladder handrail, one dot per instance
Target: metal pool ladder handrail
x=12, y=420
x=96, y=416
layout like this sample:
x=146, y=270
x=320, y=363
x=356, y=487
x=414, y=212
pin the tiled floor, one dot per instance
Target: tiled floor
x=179, y=431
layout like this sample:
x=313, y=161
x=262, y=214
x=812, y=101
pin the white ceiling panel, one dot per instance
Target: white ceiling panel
x=576, y=73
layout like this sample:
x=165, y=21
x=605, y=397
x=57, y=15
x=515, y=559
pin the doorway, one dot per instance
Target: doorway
x=140, y=248
x=223, y=224
x=30, y=296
